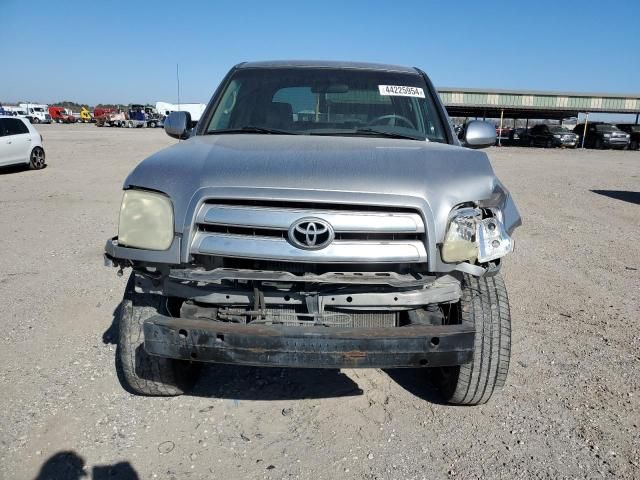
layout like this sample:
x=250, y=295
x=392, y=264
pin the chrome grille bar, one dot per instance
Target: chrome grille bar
x=281, y=218
x=273, y=248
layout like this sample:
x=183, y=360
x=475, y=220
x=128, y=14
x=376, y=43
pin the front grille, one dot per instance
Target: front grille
x=260, y=231
x=277, y=233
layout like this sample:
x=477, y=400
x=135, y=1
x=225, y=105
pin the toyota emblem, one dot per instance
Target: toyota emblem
x=311, y=233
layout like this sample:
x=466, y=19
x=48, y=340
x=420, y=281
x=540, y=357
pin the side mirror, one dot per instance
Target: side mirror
x=177, y=125
x=478, y=134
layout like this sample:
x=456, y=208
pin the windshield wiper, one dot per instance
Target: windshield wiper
x=386, y=133
x=252, y=129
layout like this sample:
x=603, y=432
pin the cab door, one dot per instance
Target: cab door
x=15, y=141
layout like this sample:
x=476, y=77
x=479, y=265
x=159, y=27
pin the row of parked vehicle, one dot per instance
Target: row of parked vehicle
x=597, y=135
x=135, y=116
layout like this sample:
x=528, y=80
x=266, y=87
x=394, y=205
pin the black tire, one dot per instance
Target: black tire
x=633, y=145
x=139, y=372
x=598, y=144
x=548, y=144
x=36, y=120
x=485, y=305
x=37, y=159
x=532, y=143
x=152, y=124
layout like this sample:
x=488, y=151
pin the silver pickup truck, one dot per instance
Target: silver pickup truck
x=323, y=215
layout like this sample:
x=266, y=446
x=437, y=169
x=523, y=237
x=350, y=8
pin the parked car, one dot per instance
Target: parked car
x=15, y=112
x=20, y=143
x=321, y=214
x=517, y=136
x=550, y=136
x=634, y=132
x=602, y=135
x=502, y=135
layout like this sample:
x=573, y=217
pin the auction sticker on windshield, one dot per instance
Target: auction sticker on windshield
x=401, y=91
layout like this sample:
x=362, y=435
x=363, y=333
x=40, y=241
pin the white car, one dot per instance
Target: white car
x=20, y=143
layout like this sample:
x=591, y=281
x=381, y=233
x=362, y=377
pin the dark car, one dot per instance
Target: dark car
x=634, y=131
x=550, y=136
x=602, y=135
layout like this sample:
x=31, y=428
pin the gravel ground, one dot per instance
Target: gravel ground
x=570, y=408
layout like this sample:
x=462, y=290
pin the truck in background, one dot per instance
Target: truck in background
x=195, y=109
x=85, y=116
x=109, y=117
x=61, y=115
x=37, y=113
x=141, y=116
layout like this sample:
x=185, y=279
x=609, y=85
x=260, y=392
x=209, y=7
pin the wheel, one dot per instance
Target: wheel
x=484, y=304
x=633, y=145
x=532, y=143
x=152, y=124
x=130, y=124
x=548, y=144
x=139, y=372
x=36, y=160
x=598, y=144
x=36, y=120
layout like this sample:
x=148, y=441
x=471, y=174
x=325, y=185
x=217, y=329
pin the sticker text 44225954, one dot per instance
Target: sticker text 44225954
x=401, y=91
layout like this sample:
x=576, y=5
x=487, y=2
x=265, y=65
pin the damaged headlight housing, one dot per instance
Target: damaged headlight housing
x=146, y=220
x=471, y=238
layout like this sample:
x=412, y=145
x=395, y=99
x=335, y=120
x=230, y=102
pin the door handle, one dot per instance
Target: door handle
x=28, y=139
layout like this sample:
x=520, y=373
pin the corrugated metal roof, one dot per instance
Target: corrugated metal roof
x=538, y=92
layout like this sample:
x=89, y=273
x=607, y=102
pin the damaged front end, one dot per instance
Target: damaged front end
x=312, y=285
x=330, y=319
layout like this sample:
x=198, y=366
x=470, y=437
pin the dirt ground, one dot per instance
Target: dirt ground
x=570, y=409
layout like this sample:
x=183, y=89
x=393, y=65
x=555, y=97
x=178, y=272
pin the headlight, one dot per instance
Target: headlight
x=460, y=241
x=146, y=220
x=557, y=136
x=470, y=237
x=606, y=135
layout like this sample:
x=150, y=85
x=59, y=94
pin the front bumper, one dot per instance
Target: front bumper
x=616, y=143
x=308, y=347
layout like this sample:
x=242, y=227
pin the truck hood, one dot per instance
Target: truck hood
x=430, y=177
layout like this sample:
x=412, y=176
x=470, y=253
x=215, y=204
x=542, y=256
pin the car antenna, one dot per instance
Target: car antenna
x=178, y=81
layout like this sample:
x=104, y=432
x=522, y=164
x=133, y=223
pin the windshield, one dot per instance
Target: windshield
x=606, y=128
x=558, y=129
x=324, y=101
x=38, y=109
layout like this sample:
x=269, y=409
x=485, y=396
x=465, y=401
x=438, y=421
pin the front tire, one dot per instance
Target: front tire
x=37, y=159
x=138, y=371
x=484, y=304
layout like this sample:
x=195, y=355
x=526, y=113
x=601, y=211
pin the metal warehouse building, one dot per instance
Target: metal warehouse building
x=485, y=103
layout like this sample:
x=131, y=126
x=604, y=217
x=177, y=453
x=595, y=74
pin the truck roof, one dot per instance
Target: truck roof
x=327, y=64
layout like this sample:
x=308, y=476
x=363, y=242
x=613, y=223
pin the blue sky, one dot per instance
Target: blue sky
x=126, y=51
